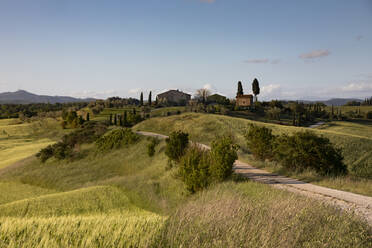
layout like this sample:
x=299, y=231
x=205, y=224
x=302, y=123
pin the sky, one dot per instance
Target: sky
x=93, y=48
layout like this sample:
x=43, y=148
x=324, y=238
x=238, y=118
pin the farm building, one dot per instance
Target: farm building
x=244, y=100
x=174, y=96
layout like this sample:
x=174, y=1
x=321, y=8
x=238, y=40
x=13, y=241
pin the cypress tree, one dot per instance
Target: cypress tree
x=110, y=119
x=120, y=120
x=150, y=99
x=141, y=99
x=115, y=120
x=240, y=89
x=134, y=111
x=156, y=101
x=88, y=118
x=255, y=88
x=125, y=118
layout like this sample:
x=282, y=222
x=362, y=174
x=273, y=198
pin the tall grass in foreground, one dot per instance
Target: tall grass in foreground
x=254, y=215
x=105, y=199
x=124, y=230
x=244, y=214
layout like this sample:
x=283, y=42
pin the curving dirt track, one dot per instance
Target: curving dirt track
x=361, y=205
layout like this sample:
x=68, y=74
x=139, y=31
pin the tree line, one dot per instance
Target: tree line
x=33, y=109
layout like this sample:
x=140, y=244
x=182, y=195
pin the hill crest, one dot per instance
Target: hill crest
x=25, y=97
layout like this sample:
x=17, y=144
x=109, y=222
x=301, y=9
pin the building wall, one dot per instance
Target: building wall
x=174, y=97
x=244, y=101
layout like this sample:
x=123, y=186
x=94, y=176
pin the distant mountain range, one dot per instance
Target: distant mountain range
x=334, y=101
x=24, y=97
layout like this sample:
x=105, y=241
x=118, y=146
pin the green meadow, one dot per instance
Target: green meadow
x=124, y=198
x=21, y=140
x=354, y=140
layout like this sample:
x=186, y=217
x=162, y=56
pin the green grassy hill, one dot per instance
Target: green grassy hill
x=203, y=128
x=124, y=198
x=21, y=140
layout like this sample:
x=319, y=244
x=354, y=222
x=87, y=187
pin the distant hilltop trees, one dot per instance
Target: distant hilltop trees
x=366, y=102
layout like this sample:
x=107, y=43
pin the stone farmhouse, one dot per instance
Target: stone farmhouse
x=174, y=96
x=244, y=100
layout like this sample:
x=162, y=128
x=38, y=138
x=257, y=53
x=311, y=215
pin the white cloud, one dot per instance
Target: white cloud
x=357, y=87
x=208, y=87
x=134, y=91
x=262, y=61
x=256, y=61
x=315, y=54
x=268, y=89
x=94, y=94
x=359, y=37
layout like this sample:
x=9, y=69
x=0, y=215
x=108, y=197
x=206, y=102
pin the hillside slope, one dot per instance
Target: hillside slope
x=204, y=128
x=124, y=198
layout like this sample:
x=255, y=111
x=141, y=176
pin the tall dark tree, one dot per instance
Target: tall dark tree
x=134, y=111
x=156, y=101
x=110, y=119
x=150, y=96
x=88, y=118
x=125, y=118
x=255, y=88
x=115, y=120
x=141, y=99
x=240, y=89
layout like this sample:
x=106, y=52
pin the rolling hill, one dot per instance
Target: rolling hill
x=25, y=97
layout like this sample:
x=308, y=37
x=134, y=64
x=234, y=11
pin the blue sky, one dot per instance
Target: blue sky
x=297, y=49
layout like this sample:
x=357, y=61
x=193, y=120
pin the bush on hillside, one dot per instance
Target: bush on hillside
x=223, y=155
x=176, y=145
x=199, y=167
x=306, y=150
x=45, y=154
x=88, y=133
x=194, y=169
x=260, y=142
x=369, y=115
x=116, y=139
x=151, y=146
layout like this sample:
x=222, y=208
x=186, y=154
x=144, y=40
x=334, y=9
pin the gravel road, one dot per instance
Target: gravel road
x=361, y=205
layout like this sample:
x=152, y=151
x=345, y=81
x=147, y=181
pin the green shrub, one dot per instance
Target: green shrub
x=306, y=150
x=88, y=133
x=116, y=139
x=223, y=155
x=198, y=168
x=45, y=154
x=369, y=115
x=260, y=142
x=151, y=146
x=194, y=169
x=176, y=145
x=61, y=150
